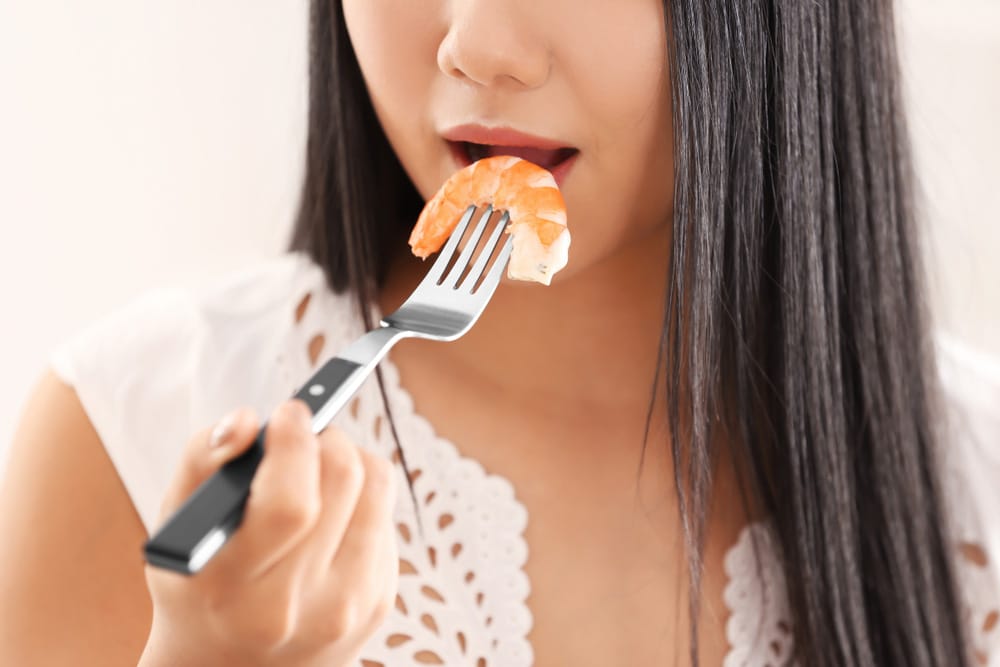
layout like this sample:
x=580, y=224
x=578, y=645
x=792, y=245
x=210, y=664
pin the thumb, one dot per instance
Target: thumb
x=206, y=452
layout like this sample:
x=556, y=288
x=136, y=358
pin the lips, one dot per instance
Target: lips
x=469, y=143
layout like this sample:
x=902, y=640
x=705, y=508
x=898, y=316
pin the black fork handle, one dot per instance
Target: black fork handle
x=204, y=523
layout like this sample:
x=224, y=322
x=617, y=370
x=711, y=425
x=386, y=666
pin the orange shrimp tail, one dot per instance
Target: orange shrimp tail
x=546, y=230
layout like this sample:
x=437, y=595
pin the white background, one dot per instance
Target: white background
x=145, y=144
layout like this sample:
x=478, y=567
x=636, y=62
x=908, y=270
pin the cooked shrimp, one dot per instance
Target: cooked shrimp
x=530, y=196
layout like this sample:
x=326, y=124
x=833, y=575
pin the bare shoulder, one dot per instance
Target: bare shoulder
x=72, y=583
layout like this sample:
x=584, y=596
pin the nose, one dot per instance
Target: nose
x=494, y=43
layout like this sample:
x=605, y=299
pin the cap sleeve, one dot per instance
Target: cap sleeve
x=132, y=372
x=176, y=360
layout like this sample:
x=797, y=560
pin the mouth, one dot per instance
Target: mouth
x=472, y=142
x=543, y=157
x=556, y=160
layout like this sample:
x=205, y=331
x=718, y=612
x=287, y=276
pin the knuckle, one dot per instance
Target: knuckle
x=383, y=605
x=291, y=514
x=346, y=464
x=295, y=410
x=341, y=620
x=218, y=590
x=267, y=630
x=290, y=419
x=212, y=592
x=218, y=602
x=378, y=472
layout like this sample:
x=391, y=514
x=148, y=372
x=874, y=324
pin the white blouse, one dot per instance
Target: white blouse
x=175, y=361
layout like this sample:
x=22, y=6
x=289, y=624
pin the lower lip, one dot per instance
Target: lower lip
x=559, y=172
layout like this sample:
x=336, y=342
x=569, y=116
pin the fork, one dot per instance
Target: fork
x=440, y=308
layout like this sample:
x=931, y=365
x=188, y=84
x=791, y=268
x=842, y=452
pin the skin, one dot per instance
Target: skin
x=577, y=369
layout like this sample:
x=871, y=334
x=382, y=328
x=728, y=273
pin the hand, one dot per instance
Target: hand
x=311, y=572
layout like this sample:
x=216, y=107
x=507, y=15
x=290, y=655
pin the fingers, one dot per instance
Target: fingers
x=368, y=554
x=342, y=478
x=371, y=518
x=284, y=502
x=386, y=577
x=359, y=591
x=320, y=500
x=381, y=568
x=233, y=435
x=314, y=564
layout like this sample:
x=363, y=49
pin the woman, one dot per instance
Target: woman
x=715, y=438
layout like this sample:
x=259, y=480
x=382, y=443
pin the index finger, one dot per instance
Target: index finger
x=236, y=431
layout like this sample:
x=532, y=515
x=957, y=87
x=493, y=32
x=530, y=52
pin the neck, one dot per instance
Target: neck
x=588, y=341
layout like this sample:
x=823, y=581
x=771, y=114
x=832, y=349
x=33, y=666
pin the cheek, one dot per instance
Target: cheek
x=395, y=43
x=619, y=63
x=634, y=152
x=390, y=37
x=624, y=84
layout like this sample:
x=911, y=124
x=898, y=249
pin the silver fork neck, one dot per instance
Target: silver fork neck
x=369, y=349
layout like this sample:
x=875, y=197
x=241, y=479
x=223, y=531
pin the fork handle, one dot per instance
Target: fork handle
x=205, y=522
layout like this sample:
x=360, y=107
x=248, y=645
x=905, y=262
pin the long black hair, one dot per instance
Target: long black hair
x=795, y=319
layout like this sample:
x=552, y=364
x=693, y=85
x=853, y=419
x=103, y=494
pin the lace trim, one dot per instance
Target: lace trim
x=759, y=628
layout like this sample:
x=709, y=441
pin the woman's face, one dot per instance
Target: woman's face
x=590, y=75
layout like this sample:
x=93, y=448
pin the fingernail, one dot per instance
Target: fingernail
x=222, y=430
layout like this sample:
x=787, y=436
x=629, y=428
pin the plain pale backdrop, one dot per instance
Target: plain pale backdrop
x=146, y=144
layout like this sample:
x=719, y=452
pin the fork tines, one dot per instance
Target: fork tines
x=454, y=274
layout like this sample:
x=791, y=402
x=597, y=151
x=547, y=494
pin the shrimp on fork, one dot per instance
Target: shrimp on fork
x=530, y=196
